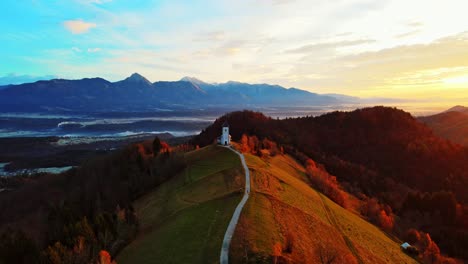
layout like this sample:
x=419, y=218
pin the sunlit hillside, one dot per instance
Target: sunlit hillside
x=287, y=220
x=452, y=124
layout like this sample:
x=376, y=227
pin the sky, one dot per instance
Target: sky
x=414, y=49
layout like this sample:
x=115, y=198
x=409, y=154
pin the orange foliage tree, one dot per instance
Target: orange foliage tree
x=326, y=183
x=105, y=258
x=277, y=250
x=431, y=253
x=385, y=220
x=245, y=144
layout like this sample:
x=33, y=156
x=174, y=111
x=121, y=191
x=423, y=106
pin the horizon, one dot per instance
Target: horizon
x=417, y=107
x=319, y=47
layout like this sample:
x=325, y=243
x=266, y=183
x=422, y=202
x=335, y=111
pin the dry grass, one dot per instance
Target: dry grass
x=284, y=208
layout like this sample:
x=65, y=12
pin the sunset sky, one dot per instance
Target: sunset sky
x=411, y=49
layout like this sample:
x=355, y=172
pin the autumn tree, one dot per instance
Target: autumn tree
x=325, y=183
x=156, y=145
x=245, y=144
x=385, y=220
x=105, y=258
x=253, y=144
x=276, y=252
x=413, y=236
x=378, y=213
x=431, y=253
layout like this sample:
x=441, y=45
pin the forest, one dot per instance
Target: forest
x=84, y=215
x=407, y=179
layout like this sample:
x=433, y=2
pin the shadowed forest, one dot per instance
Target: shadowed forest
x=84, y=215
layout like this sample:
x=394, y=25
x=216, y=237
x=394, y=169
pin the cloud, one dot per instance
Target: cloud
x=408, y=34
x=99, y=2
x=415, y=24
x=211, y=36
x=93, y=50
x=76, y=49
x=405, y=69
x=282, y=2
x=329, y=45
x=78, y=26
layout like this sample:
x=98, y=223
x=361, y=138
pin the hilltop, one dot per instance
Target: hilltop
x=458, y=108
x=451, y=124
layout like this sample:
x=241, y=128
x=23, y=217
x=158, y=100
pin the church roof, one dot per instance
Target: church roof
x=226, y=124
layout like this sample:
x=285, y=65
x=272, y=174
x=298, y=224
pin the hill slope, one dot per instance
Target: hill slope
x=451, y=125
x=458, y=108
x=378, y=152
x=284, y=209
x=184, y=220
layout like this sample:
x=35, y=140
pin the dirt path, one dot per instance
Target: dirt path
x=224, y=257
x=331, y=218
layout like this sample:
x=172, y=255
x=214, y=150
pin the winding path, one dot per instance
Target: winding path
x=224, y=257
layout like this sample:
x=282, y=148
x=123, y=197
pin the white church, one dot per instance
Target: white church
x=225, y=138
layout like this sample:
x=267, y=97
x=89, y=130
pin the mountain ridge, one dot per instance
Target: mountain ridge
x=137, y=93
x=458, y=108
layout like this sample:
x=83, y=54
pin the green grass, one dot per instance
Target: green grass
x=210, y=160
x=193, y=235
x=184, y=219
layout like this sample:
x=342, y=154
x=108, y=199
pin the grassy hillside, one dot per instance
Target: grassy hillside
x=309, y=227
x=184, y=220
x=449, y=125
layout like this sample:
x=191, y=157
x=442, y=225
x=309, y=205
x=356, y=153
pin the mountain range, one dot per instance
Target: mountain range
x=137, y=93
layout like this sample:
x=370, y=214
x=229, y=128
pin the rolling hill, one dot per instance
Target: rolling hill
x=184, y=220
x=458, y=108
x=137, y=93
x=380, y=153
x=451, y=124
